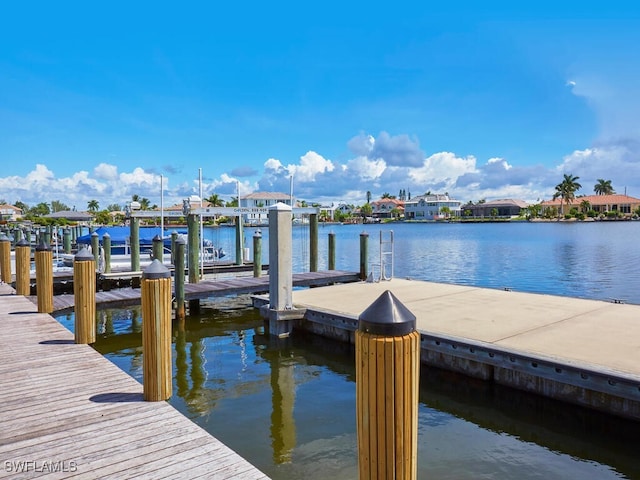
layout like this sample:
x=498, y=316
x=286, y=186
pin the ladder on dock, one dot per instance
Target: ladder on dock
x=384, y=269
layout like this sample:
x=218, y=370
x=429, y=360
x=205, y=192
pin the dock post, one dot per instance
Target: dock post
x=156, y=332
x=44, y=277
x=46, y=234
x=257, y=254
x=179, y=278
x=134, y=243
x=193, y=249
x=84, y=295
x=313, y=242
x=280, y=313
x=66, y=240
x=332, y=250
x=387, y=385
x=158, y=248
x=364, y=255
x=239, y=241
x=95, y=247
x=106, y=246
x=23, y=267
x=5, y=259
x=17, y=236
x=174, y=237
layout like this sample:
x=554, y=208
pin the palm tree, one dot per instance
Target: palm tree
x=144, y=203
x=93, y=206
x=603, y=187
x=566, y=190
x=585, y=206
x=215, y=200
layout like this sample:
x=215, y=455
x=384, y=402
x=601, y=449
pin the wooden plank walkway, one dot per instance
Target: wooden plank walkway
x=211, y=288
x=67, y=412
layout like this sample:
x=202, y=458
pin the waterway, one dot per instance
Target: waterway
x=289, y=406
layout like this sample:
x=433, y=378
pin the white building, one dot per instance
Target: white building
x=431, y=207
x=262, y=200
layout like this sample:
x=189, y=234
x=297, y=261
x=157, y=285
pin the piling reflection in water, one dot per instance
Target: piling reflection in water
x=289, y=407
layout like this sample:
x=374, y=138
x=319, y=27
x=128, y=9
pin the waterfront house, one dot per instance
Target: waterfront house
x=387, y=208
x=431, y=207
x=262, y=200
x=601, y=204
x=9, y=213
x=504, y=208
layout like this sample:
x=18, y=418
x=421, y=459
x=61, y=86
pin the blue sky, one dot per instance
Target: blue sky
x=478, y=99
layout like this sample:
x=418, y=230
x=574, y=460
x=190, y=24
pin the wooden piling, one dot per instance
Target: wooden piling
x=23, y=267
x=66, y=240
x=193, y=252
x=332, y=251
x=179, y=277
x=5, y=258
x=156, y=332
x=158, y=248
x=84, y=296
x=134, y=234
x=95, y=247
x=387, y=384
x=313, y=242
x=364, y=255
x=44, y=277
x=106, y=246
x=257, y=254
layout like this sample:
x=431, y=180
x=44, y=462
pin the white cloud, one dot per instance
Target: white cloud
x=443, y=167
x=365, y=168
x=105, y=171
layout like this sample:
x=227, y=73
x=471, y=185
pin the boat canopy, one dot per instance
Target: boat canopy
x=120, y=235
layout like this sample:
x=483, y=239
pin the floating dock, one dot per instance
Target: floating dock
x=585, y=352
x=68, y=412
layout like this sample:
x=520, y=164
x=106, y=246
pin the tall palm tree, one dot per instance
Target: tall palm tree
x=566, y=190
x=603, y=187
x=93, y=205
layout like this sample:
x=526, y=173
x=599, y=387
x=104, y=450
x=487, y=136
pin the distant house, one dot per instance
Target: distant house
x=431, y=207
x=495, y=208
x=387, y=208
x=600, y=203
x=9, y=213
x=262, y=200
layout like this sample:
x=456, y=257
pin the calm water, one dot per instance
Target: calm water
x=289, y=406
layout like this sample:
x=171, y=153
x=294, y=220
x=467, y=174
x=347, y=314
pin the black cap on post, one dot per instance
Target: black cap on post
x=43, y=247
x=22, y=243
x=83, y=255
x=387, y=316
x=156, y=270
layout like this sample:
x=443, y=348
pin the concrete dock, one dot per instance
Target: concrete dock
x=68, y=412
x=582, y=351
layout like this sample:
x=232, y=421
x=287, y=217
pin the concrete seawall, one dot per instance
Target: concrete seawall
x=583, y=352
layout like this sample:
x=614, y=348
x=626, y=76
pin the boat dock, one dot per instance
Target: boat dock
x=67, y=412
x=208, y=288
x=584, y=352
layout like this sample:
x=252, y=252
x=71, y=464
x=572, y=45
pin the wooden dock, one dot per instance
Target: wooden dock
x=67, y=412
x=210, y=288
